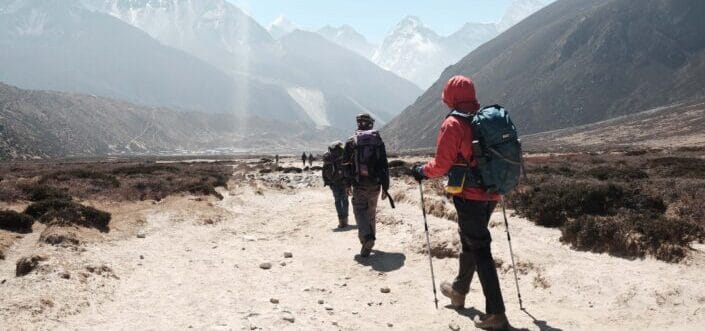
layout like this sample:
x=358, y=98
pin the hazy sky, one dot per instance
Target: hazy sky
x=374, y=18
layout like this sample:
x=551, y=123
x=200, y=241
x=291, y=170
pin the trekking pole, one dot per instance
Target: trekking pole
x=428, y=242
x=511, y=253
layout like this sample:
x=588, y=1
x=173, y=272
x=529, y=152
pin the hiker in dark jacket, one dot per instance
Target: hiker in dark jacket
x=310, y=159
x=304, y=158
x=367, y=171
x=334, y=177
x=474, y=206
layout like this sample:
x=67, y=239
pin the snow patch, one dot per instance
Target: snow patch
x=313, y=103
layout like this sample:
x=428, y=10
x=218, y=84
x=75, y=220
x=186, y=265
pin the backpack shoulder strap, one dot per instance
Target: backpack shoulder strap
x=455, y=113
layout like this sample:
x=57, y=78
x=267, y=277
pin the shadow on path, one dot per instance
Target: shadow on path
x=382, y=261
x=471, y=313
x=543, y=325
x=346, y=229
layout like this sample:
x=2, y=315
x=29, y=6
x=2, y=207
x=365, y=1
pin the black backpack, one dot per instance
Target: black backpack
x=333, y=172
x=367, y=156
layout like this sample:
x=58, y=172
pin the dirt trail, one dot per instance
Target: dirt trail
x=198, y=266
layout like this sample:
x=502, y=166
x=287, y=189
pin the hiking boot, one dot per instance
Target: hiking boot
x=457, y=300
x=343, y=223
x=492, y=322
x=367, y=248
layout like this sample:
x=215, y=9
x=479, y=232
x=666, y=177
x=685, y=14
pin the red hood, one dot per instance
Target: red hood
x=459, y=94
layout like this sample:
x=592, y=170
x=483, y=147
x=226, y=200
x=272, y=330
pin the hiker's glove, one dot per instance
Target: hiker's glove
x=417, y=172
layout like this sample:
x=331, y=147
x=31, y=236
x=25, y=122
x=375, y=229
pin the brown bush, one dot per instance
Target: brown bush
x=631, y=235
x=63, y=212
x=15, y=222
x=679, y=166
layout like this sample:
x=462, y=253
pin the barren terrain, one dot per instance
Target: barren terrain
x=197, y=262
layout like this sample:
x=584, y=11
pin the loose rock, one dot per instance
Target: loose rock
x=385, y=290
x=274, y=300
x=288, y=255
x=265, y=265
x=141, y=235
x=282, y=263
x=454, y=326
x=25, y=265
x=320, y=302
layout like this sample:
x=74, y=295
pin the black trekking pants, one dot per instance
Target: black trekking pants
x=473, y=220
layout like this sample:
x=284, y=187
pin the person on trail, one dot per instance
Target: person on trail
x=473, y=204
x=334, y=177
x=367, y=172
x=310, y=159
x=276, y=161
x=304, y=158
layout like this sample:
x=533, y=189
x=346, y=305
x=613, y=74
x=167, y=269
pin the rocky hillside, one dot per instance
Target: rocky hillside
x=52, y=124
x=576, y=62
x=670, y=126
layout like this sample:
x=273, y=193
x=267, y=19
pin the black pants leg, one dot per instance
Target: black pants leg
x=476, y=256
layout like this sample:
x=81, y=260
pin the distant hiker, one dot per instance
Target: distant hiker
x=304, y=158
x=367, y=171
x=473, y=204
x=334, y=177
x=276, y=161
x=310, y=159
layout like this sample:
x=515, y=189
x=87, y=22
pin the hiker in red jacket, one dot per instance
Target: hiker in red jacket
x=474, y=206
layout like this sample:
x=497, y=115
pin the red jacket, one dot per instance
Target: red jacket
x=454, y=146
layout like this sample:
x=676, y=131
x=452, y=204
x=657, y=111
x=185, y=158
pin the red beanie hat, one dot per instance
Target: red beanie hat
x=459, y=94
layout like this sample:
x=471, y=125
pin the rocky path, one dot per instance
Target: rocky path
x=223, y=267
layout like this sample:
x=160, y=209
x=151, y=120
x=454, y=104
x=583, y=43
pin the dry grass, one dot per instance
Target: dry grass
x=626, y=204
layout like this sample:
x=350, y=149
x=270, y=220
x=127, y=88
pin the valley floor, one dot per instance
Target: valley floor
x=198, y=266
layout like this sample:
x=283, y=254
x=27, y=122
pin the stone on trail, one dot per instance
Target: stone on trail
x=266, y=266
x=141, y=235
x=454, y=326
x=289, y=317
x=328, y=308
x=288, y=255
x=385, y=290
x=274, y=300
x=282, y=263
x=390, y=325
x=25, y=265
x=320, y=301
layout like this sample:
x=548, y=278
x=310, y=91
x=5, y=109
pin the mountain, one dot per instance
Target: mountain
x=576, y=62
x=417, y=53
x=54, y=124
x=678, y=125
x=221, y=34
x=518, y=10
x=213, y=30
x=347, y=37
x=333, y=84
x=281, y=26
x=55, y=45
x=413, y=51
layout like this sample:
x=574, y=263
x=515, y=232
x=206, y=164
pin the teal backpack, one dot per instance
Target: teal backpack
x=496, y=148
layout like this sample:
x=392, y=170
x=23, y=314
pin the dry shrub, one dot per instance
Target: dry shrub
x=38, y=192
x=631, y=235
x=550, y=203
x=15, y=222
x=62, y=213
x=617, y=173
x=96, y=178
x=444, y=243
x=145, y=169
x=679, y=166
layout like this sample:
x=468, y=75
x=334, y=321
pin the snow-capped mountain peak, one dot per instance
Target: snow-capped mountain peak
x=348, y=37
x=281, y=26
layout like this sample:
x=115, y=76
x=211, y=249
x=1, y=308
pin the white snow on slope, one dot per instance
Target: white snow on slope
x=313, y=103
